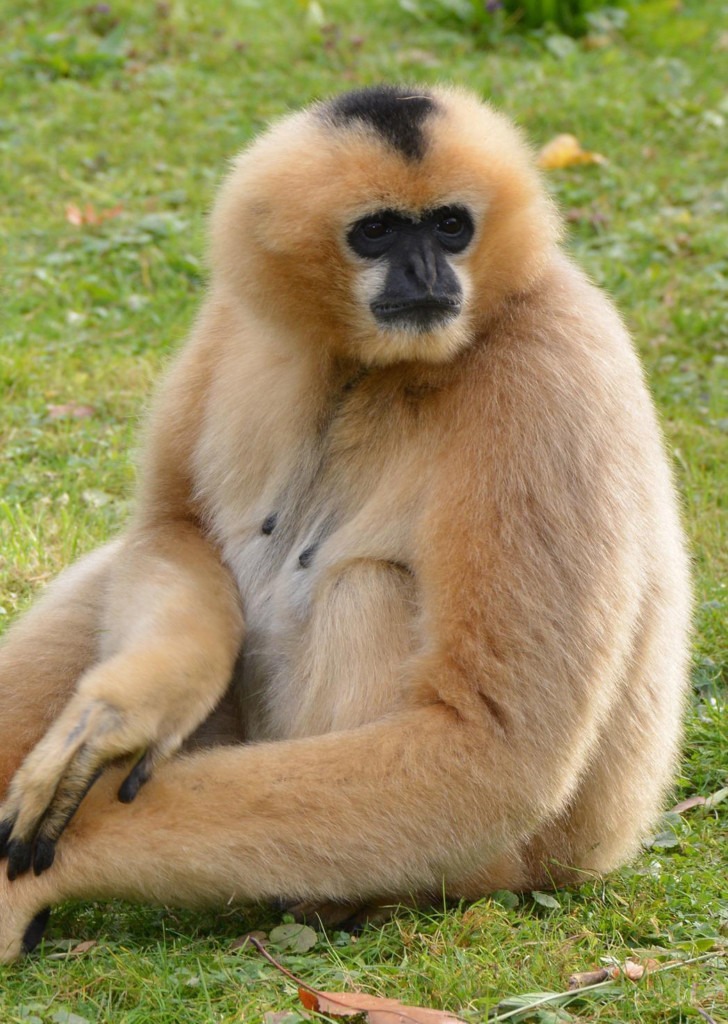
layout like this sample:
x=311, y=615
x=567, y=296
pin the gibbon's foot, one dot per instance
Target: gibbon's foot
x=36, y=929
x=23, y=918
x=348, y=917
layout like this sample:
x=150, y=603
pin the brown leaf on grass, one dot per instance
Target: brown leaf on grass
x=374, y=1009
x=70, y=411
x=371, y=1009
x=246, y=940
x=709, y=802
x=89, y=216
x=82, y=947
x=586, y=215
x=582, y=979
x=565, y=151
x=633, y=970
x=687, y=805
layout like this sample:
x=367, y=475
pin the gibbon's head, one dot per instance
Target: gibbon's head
x=386, y=224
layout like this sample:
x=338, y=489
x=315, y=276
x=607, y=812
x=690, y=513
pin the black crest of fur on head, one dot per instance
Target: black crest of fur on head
x=395, y=113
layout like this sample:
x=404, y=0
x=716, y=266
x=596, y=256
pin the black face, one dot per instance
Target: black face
x=421, y=289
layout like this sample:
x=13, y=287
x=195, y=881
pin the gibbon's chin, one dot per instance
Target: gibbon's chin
x=401, y=342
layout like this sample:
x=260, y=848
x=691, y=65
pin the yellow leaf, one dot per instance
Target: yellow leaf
x=566, y=151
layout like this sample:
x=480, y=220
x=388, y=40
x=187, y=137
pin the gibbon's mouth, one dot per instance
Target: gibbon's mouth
x=423, y=314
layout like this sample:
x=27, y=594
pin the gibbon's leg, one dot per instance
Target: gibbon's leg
x=399, y=806
x=390, y=807
x=43, y=655
x=171, y=631
x=623, y=790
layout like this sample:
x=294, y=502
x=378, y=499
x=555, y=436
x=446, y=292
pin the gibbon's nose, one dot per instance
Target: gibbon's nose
x=421, y=268
x=421, y=290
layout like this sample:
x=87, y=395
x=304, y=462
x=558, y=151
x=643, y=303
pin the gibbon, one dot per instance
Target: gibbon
x=403, y=606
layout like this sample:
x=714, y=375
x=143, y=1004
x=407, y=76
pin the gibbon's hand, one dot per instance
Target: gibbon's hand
x=137, y=705
x=54, y=778
x=175, y=651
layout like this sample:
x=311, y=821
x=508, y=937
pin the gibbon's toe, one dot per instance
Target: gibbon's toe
x=35, y=930
x=21, y=923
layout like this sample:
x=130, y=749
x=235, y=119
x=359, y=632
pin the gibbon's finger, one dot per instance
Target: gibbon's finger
x=19, y=855
x=140, y=773
x=56, y=771
x=81, y=776
x=33, y=838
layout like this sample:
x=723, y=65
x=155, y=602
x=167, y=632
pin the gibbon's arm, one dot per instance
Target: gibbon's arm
x=171, y=628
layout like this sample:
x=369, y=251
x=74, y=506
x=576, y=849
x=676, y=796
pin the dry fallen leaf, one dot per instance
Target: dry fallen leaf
x=566, y=151
x=82, y=947
x=582, y=979
x=687, y=805
x=89, y=215
x=709, y=802
x=245, y=940
x=374, y=1009
x=70, y=411
x=633, y=970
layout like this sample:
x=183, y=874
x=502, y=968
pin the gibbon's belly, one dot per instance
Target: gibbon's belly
x=328, y=627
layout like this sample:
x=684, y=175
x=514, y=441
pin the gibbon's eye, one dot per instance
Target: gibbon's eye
x=372, y=236
x=454, y=227
x=451, y=225
x=375, y=229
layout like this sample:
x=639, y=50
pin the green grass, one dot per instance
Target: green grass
x=142, y=106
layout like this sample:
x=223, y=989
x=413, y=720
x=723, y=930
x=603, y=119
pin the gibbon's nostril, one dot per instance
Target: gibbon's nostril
x=269, y=523
x=306, y=556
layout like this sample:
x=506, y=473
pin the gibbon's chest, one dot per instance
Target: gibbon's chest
x=309, y=486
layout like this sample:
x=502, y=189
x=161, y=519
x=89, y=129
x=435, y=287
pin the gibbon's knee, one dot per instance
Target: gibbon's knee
x=45, y=652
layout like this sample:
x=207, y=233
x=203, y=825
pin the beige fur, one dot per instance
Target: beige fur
x=477, y=681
